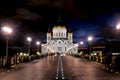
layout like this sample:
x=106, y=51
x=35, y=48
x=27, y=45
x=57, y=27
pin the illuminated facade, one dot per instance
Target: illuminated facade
x=59, y=41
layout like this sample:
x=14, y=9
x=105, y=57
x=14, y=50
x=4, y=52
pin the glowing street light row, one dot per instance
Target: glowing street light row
x=90, y=38
x=29, y=39
x=7, y=30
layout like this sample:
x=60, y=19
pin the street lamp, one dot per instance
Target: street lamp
x=118, y=26
x=29, y=39
x=90, y=38
x=7, y=31
x=81, y=42
x=38, y=43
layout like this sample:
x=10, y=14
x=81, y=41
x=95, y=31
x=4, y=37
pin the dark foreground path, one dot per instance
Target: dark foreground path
x=78, y=69
x=42, y=69
x=58, y=68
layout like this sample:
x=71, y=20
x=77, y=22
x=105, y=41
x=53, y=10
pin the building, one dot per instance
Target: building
x=59, y=40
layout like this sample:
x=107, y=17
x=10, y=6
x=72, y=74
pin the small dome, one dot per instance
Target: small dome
x=48, y=32
x=69, y=32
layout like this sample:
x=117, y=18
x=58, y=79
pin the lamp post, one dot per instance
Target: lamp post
x=81, y=43
x=7, y=31
x=29, y=39
x=90, y=38
x=38, y=53
x=38, y=43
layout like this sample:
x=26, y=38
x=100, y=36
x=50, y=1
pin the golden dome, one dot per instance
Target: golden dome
x=48, y=32
x=59, y=27
x=69, y=32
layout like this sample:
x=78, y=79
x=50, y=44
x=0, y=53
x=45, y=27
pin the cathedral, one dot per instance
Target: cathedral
x=59, y=40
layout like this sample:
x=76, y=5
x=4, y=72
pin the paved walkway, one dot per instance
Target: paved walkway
x=59, y=68
x=41, y=69
x=79, y=69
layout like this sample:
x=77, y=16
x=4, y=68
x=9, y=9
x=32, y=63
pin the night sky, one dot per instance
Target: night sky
x=84, y=17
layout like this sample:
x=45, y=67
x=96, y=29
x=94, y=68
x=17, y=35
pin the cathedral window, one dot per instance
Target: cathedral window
x=65, y=48
x=56, y=34
x=59, y=48
x=59, y=34
x=48, y=37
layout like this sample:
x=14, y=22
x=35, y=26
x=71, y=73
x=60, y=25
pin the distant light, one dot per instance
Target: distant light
x=38, y=43
x=7, y=29
x=118, y=26
x=90, y=38
x=76, y=45
x=116, y=72
x=81, y=42
x=29, y=39
x=38, y=53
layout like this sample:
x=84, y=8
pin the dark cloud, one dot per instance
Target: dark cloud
x=67, y=6
x=37, y=2
x=23, y=13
